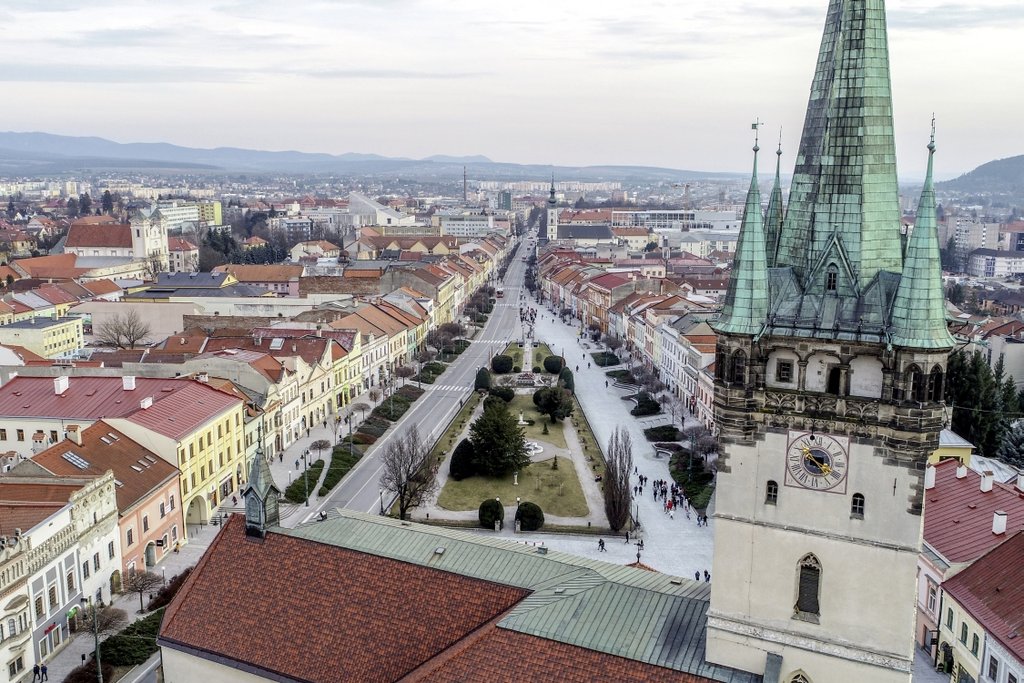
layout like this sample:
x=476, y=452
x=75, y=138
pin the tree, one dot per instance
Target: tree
x=375, y=395
x=405, y=372
x=361, y=407
x=566, y=381
x=319, y=445
x=107, y=202
x=483, y=380
x=142, y=583
x=502, y=364
x=84, y=203
x=499, y=441
x=408, y=471
x=530, y=516
x=462, y=464
x=108, y=619
x=454, y=330
x=1011, y=448
x=618, y=466
x=123, y=330
x=555, y=402
x=71, y=207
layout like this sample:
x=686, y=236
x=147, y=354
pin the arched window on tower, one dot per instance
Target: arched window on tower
x=831, y=278
x=915, y=384
x=722, y=365
x=935, y=387
x=833, y=385
x=739, y=367
x=808, y=587
x=771, y=493
x=799, y=678
x=857, y=506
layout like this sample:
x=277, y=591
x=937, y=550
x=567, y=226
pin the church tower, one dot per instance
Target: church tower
x=832, y=349
x=261, y=495
x=552, y=231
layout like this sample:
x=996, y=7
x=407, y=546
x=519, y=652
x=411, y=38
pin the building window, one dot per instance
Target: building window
x=935, y=384
x=145, y=523
x=993, y=668
x=110, y=550
x=15, y=667
x=130, y=536
x=40, y=612
x=163, y=510
x=53, y=436
x=949, y=618
x=52, y=595
x=96, y=561
x=832, y=278
x=857, y=506
x=975, y=644
x=21, y=435
x=85, y=570
x=70, y=581
x=933, y=596
x=1010, y=678
x=172, y=502
x=771, y=494
x=915, y=384
x=739, y=367
x=808, y=586
x=963, y=633
x=3, y=435
x=784, y=371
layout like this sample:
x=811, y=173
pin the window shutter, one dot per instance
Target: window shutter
x=808, y=600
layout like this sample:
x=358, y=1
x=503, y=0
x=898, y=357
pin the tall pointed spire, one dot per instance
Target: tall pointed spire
x=261, y=495
x=844, y=183
x=773, y=216
x=919, y=311
x=746, y=301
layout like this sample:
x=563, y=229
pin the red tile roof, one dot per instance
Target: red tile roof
x=179, y=244
x=86, y=398
x=958, y=515
x=379, y=620
x=182, y=412
x=992, y=590
x=107, y=235
x=100, y=287
x=139, y=471
x=261, y=273
x=24, y=504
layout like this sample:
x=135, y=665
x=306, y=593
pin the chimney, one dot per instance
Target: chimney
x=146, y=403
x=75, y=434
x=128, y=382
x=929, y=477
x=61, y=384
x=1020, y=482
x=203, y=377
x=999, y=522
x=961, y=471
x=986, y=481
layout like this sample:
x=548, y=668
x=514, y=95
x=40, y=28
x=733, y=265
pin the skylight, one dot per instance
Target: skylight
x=76, y=460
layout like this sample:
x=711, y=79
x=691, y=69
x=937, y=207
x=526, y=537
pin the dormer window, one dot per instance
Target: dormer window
x=831, y=278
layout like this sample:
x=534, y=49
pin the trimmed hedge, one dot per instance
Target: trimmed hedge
x=663, y=433
x=619, y=375
x=296, y=491
x=135, y=644
x=364, y=439
x=483, y=380
x=166, y=594
x=506, y=394
x=391, y=408
x=553, y=364
x=604, y=359
x=462, y=463
x=567, y=380
x=341, y=463
x=502, y=364
x=410, y=391
x=530, y=516
x=645, y=405
x=491, y=511
x=86, y=673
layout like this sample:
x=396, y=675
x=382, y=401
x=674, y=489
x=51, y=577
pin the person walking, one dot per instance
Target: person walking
x=44, y=676
x=600, y=545
x=35, y=672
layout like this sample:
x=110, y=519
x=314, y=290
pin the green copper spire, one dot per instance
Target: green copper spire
x=746, y=301
x=773, y=216
x=919, y=311
x=844, y=186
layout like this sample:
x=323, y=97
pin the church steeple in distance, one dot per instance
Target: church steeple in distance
x=773, y=216
x=261, y=495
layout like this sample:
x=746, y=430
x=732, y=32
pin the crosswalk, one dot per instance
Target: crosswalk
x=447, y=387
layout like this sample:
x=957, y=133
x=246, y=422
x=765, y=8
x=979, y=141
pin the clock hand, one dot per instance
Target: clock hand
x=825, y=469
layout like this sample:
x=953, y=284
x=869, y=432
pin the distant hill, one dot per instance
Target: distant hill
x=45, y=153
x=1003, y=176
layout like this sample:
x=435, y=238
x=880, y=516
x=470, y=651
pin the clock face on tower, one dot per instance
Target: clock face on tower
x=818, y=462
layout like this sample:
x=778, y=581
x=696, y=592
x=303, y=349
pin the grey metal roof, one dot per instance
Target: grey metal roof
x=624, y=611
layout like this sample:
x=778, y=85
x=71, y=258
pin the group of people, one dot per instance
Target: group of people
x=40, y=673
x=707, y=576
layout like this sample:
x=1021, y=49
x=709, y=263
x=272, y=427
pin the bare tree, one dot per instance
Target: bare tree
x=426, y=355
x=375, y=395
x=123, y=330
x=361, y=407
x=319, y=445
x=142, y=583
x=108, y=619
x=405, y=372
x=617, y=491
x=408, y=471
x=154, y=265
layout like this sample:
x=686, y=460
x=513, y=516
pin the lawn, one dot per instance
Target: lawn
x=447, y=441
x=538, y=483
x=535, y=432
x=587, y=439
x=540, y=352
x=516, y=353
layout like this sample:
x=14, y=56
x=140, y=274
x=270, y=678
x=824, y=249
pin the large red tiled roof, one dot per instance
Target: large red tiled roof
x=992, y=590
x=107, y=235
x=958, y=514
x=86, y=398
x=362, y=617
x=182, y=412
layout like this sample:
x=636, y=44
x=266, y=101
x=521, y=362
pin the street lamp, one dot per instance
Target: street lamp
x=381, y=492
x=96, y=640
x=305, y=474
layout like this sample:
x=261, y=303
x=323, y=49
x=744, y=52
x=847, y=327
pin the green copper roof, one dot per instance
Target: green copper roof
x=773, y=216
x=919, y=311
x=746, y=301
x=845, y=178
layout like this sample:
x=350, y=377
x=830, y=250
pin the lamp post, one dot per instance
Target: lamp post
x=381, y=492
x=96, y=640
x=305, y=474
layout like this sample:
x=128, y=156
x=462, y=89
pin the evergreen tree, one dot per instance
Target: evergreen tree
x=107, y=202
x=1011, y=448
x=72, y=207
x=498, y=441
x=84, y=203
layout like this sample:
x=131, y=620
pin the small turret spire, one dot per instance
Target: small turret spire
x=774, y=215
x=746, y=300
x=919, y=311
x=261, y=495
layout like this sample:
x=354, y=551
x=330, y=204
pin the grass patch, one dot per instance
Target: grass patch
x=341, y=463
x=619, y=375
x=296, y=491
x=391, y=408
x=535, y=432
x=698, y=485
x=591, y=449
x=447, y=443
x=540, y=352
x=514, y=352
x=538, y=483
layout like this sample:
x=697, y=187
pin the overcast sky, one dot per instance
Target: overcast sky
x=572, y=82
